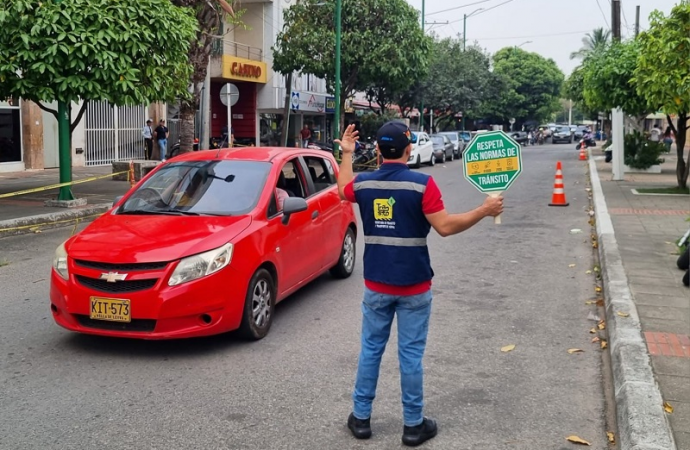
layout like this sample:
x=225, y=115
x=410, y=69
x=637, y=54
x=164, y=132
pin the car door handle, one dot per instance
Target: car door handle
x=314, y=215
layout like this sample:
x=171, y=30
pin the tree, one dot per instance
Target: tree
x=93, y=50
x=208, y=14
x=606, y=80
x=592, y=42
x=458, y=80
x=533, y=85
x=125, y=52
x=662, y=74
x=382, y=45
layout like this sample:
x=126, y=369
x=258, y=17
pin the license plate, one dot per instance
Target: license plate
x=110, y=309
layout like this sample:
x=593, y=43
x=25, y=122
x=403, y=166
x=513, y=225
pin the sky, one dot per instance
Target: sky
x=554, y=27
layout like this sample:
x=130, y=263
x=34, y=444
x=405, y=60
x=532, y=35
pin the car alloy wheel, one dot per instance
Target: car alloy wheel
x=443, y=158
x=259, y=306
x=432, y=162
x=346, y=262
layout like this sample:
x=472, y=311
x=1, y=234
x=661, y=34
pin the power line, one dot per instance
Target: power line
x=457, y=7
x=482, y=12
x=534, y=36
x=603, y=15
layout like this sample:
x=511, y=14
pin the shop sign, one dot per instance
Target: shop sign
x=308, y=102
x=235, y=68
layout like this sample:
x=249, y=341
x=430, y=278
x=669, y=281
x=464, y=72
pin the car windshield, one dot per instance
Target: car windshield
x=452, y=136
x=218, y=188
x=438, y=140
x=563, y=130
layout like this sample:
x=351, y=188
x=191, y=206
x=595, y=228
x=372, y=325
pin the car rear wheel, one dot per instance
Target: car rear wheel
x=346, y=263
x=432, y=161
x=452, y=155
x=259, y=306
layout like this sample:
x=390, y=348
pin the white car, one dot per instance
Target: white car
x=422, y=150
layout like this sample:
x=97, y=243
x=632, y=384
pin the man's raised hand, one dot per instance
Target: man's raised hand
x=349, y=139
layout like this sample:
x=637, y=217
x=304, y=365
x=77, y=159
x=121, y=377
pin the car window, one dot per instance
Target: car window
x=290, y=184
x=452, y=137
x=438, y=140
x=320, y=171
x=200, y=188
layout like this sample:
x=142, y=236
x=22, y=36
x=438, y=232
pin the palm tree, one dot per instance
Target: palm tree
x=597, y=39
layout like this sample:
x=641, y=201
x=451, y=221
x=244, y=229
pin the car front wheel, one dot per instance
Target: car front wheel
x=259, y=306
x=432, y=161
x=346, y=263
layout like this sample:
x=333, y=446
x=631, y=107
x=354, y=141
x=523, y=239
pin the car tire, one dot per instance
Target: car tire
x=443, y=157
x=418, y=163
x=432, y=161
x=452, y=155
x=683, y=261
x=348, y=253
x=259, y=306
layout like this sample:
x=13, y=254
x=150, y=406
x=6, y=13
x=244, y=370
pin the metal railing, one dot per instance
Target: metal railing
x=222, y=46
x=113, y=133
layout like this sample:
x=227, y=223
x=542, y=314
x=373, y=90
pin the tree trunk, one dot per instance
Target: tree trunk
x=682, y=167
x=187, y=114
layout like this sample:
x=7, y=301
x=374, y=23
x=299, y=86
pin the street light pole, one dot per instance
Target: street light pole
x=338, y=31
x=464, y=33
x=421, y=111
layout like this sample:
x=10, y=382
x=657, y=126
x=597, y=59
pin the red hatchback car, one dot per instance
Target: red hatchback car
x=206, y=243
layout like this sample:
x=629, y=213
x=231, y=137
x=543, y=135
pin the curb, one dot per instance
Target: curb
x=24, y=225
x=642, y=422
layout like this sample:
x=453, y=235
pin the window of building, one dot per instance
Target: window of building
x=10, y=131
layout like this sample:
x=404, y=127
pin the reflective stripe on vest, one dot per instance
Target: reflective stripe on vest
x=395, y=241
x=392, y=185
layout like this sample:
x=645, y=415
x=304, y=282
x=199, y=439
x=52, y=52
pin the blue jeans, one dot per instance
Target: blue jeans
x=413, y=325
x=163, y=146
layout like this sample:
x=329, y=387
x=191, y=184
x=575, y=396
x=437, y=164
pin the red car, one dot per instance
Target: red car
x=206, y=243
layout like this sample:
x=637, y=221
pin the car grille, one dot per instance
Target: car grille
x=120, y=267
x=116, y=287
x=137, y=325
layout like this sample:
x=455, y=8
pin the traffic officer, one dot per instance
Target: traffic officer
x=398, y=207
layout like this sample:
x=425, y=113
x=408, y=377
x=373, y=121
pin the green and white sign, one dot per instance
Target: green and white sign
x=492, y=161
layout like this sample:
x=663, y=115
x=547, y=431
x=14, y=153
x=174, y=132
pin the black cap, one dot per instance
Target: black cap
x=394, y=135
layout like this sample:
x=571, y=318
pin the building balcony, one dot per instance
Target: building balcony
x=235, y=61
x=222, y=47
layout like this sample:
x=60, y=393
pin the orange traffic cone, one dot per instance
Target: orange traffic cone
x=558, y=198
x=583, y=153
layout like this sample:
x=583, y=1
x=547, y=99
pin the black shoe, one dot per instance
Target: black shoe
x=361, y=428
x=414, y=436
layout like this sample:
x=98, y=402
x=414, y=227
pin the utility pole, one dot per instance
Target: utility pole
x=285, y=129
x=64, y=146
x=464, y=32
x=637, y=20
x=421, y=109
x=338, y=32
x=617, y=116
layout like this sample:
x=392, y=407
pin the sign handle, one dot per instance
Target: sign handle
x=497, y=219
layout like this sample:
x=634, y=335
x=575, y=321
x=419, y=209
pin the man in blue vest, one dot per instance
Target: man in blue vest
x=398, y=207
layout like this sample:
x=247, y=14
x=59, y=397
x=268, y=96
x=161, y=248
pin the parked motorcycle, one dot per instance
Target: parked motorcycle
x=364, y=157
x=175, y=149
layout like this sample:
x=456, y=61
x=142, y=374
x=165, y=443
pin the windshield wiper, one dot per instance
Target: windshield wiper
x=161, y=212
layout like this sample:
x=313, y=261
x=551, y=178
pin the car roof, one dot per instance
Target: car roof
x=262, y=154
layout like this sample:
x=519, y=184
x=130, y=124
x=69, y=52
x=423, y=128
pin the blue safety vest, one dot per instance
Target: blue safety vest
x=395, y=228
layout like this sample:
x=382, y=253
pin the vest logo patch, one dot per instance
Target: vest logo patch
x=383, y=208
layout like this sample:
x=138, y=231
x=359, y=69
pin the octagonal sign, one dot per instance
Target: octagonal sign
x=492, y=161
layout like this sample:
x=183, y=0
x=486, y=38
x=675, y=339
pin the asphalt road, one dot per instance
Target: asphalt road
x=494, y=286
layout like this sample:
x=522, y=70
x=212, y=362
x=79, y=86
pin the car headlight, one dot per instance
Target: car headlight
x=60, y=262
x=201, y=265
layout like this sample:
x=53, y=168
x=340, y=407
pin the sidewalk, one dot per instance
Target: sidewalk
x=17, y=213
x=646, y=229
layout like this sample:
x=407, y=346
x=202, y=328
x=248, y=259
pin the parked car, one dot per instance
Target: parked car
x=519, y=136
x=443, y=148
x=466, y=137
x=422, y=150
x=458, y=143
x=206, y=243
x=562, y=134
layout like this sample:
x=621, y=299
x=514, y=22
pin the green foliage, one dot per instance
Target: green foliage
x=641, y=153
x=533, y=85
x=458, y=80
x=125, y=51
x=662, y=72
x=369, y=124
x=383, y=49
x=607, y=81
x=597, y=40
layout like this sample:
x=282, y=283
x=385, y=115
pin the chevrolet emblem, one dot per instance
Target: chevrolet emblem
x=112, y=277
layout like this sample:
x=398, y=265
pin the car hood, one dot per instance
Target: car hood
x=140, y=239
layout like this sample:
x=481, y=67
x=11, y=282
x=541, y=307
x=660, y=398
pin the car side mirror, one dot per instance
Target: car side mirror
x=291, y=206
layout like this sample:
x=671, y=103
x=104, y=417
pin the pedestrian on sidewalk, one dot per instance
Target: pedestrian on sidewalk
x=162, y=137
x=147, y=132
x=398, y=207
x=305, y=134
x=668, y=139
x=655, y=134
